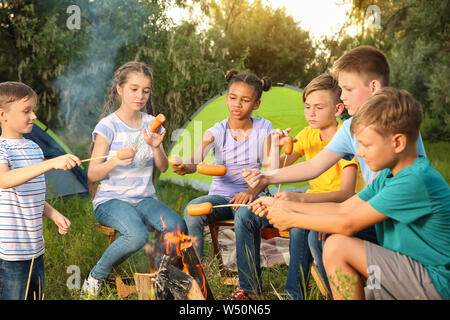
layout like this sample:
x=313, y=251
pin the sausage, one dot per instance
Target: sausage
x=199, y=209
x=288, y=146
x=175, y=160
x=155, y=125
x=125, y=153
x=211, y=169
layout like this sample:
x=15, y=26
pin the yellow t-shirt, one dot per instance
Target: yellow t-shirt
x=309, y=144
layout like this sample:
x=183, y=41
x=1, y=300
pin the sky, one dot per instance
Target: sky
x=320, y=17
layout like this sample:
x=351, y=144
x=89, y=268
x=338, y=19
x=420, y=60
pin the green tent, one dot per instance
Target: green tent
x=59, y=183
x=282, y=105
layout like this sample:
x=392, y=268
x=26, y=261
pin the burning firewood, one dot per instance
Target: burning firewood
x=180, y=275
x=195, y=269
x=181, y=285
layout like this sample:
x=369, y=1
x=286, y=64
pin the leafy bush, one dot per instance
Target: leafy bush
x=435, y=129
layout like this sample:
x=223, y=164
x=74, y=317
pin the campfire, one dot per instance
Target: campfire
x=180, y=274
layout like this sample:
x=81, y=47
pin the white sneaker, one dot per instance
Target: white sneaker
x=91, y=287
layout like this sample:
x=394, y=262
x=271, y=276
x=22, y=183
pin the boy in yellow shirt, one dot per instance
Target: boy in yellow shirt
x=322, y=106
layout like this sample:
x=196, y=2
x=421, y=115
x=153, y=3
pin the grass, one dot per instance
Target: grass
x=83, y=246
x=438, y=153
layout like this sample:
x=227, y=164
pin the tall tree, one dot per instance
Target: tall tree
x=266, y=40
x=414, y=35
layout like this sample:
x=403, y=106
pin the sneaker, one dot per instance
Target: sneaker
x=239, y=294
x=91, y=287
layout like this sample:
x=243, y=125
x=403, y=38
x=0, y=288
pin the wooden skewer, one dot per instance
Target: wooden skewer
x=29, y=277
x=284, y=164
x=96, y=158
x=230, y=205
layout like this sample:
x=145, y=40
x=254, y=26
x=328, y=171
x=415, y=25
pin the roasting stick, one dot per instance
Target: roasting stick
x=284, y=165
x=96, y=158
x=204, y=168
x=29, y=277
x=205, y=208
x=122, y=154
x=288, y=148
x=231, y=205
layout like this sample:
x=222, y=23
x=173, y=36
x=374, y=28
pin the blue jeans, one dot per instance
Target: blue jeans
x=248, y=227
x=14, y=279
x=131, y=220
x=195, y=224
x=247, y=243
x=299, y=264
x=316, y=247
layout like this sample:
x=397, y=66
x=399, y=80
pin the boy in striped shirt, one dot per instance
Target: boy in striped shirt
x=22, y=200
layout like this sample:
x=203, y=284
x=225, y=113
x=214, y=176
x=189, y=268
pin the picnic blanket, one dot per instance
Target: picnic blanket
x=273, y=251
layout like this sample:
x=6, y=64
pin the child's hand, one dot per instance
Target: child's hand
x=279, y=218
x=261, y=206
x=153, y=139
x=62, y=222
x=65, y=162
x=180, y=169
x=283, y=135
x=253, y=177
x=243, y=197
x=124, y=162
x=290, y=196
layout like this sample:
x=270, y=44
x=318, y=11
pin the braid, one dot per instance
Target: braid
x=250, y=79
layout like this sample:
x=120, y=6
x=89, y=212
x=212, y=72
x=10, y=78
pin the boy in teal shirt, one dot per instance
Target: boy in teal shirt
x=409, y=203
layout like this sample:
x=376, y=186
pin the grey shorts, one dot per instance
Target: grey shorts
x=394, y=276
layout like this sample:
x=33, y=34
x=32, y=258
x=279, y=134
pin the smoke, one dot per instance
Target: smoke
x=107, y=27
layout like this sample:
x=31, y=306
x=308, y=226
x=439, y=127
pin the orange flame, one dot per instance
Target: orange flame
x=179, y=240
x=204, y=291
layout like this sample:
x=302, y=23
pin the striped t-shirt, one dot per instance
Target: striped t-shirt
x=21, y=207
x=130, y=183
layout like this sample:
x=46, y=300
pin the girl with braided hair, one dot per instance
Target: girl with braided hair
x=238, y=142
x=125, y=196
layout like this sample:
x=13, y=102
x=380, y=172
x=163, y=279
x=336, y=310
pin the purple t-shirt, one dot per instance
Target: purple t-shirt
x=237, y=156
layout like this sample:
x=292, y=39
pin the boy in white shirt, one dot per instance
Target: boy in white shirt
x=22, y=200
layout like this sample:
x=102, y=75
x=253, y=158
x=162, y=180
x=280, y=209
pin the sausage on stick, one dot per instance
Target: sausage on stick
x=155, y=125
x=213, y=169
x=175, y=160
x=206, y=208
x=122, y=154
x=288, y=146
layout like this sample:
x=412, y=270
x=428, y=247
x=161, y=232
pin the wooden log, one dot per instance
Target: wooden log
x=144, y=285
x=181, y=285
x=192, y=261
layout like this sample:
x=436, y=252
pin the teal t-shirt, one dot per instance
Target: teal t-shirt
x=417, y=203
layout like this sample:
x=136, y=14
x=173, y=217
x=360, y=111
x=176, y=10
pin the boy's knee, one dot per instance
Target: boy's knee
x=334, y=247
